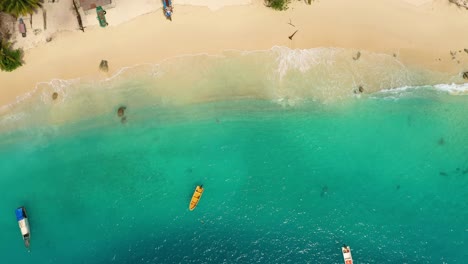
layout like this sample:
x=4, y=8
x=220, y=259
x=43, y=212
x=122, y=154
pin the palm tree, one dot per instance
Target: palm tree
x=19, y=7
x=10, y=59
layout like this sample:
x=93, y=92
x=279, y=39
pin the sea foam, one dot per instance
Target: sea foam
x=286, y=76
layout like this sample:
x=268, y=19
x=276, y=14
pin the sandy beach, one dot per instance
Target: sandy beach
x=426, y=34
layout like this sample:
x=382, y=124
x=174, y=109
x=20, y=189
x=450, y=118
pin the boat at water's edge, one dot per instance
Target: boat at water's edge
x=196, y=197
x=167, y=9
x=23, y=223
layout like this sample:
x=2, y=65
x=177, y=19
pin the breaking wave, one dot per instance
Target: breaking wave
x=282, y=75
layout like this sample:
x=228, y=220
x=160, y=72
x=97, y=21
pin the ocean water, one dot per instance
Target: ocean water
x=294, y=164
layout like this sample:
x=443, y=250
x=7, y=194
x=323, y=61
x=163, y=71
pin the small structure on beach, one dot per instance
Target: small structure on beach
x=92, y=4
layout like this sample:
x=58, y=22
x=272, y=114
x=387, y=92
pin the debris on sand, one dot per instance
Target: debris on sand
x=104, y=66
x=290, y=37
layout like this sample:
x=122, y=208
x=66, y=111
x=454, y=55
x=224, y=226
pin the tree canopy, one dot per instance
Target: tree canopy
x=19, y=7
x=10, y=59
x=277, y=4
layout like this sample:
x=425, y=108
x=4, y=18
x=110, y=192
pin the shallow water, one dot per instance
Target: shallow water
x=286, y=180
x=286, y=76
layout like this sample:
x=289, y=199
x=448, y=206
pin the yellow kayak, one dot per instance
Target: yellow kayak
x=196, y=197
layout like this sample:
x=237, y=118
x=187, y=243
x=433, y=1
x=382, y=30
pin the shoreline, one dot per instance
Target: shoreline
x=151, y=39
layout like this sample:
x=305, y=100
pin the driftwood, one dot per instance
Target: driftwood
x=290, y=37
x=78, y=16
x=44, y=17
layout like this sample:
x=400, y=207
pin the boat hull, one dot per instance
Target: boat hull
x=197, y=194
x=167, y=9
x=348, y=259
x=23, y=223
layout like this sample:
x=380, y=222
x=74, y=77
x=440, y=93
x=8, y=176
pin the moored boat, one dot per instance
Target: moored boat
x=23, y=223
x=196, y=197
x=348, y=259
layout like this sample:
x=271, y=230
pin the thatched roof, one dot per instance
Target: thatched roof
x=7, y=25
x=91, y=4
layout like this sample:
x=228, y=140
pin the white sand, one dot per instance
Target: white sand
x=421, y=35
x=60, y=16
x=419, y=2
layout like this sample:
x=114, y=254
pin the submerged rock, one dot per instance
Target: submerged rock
x=465, y=75
x=359, y=90
x=54, y=96
x=441, y=141
x=466, y=50
x=358, y=55
x=324, y=191
x=121, y=111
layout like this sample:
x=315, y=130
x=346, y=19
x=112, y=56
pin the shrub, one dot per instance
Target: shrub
x=277, y=4
x=10, y=59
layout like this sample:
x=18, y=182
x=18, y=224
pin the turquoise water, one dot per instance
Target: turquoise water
x=387, y=176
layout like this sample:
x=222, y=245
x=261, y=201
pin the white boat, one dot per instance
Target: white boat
x=23, y=223
x=346, y=250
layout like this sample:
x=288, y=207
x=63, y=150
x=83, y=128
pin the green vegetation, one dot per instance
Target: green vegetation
x=19, y=7
x=10, y=59
x=277, y=4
